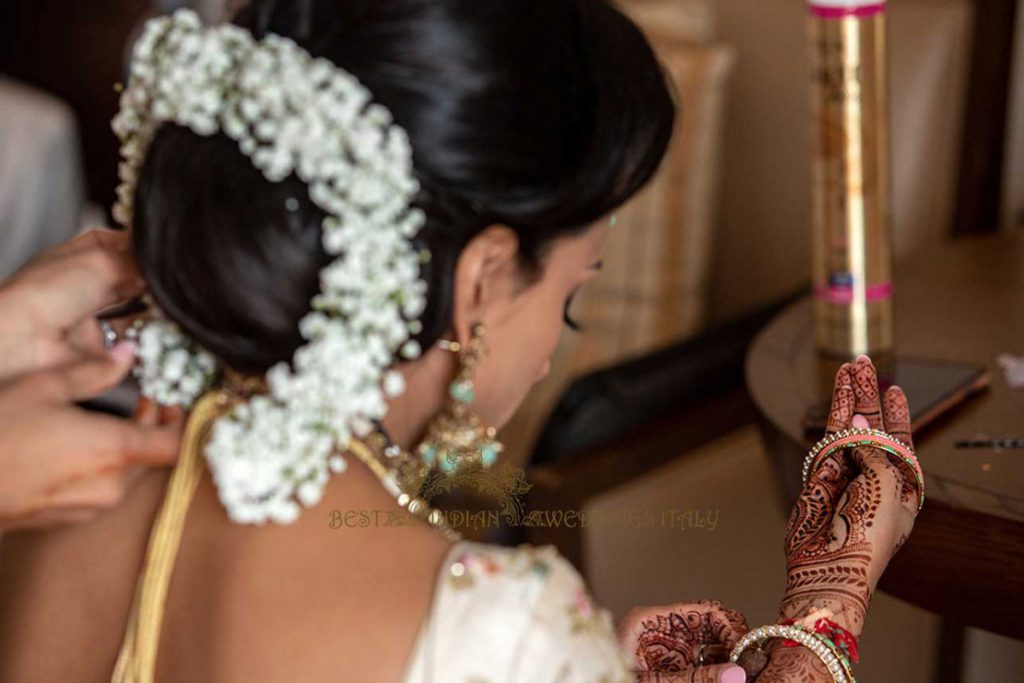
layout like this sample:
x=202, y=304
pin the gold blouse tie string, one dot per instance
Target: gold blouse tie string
x=136, y=662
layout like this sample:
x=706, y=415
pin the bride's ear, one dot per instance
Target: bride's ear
x=486, y=279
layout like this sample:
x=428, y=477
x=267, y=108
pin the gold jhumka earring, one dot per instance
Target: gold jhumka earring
x=458, y=437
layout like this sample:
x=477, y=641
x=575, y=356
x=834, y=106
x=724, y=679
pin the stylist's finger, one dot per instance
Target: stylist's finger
x=103, y=489
x=146, y=413
x=107, y=254
x=103, y=471
x=103, y=237
x=715, y=673
x=46, y=518
x=87, y=378
x=123, y=442
x=77, y=280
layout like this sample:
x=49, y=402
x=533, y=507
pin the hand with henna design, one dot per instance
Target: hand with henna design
x=851, y=518
x=854, y=510
x=667, y=642
x=853, y=515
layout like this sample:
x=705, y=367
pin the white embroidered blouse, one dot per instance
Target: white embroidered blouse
x=509, y=615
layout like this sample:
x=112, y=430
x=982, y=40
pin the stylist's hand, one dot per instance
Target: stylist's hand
x=855, y=512
x=61, y=463
x=683, y=642
x=48, y=308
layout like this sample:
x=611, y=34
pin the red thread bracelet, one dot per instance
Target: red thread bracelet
x=845, y=641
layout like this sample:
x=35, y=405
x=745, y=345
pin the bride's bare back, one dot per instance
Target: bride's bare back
x=303, y=602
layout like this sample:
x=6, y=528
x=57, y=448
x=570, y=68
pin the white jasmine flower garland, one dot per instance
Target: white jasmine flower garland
x=290, y=114
x=172, y=369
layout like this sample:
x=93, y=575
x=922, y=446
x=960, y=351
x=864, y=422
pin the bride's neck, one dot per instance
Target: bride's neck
x=426, y=380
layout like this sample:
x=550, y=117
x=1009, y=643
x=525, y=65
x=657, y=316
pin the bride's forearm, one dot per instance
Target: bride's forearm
x=847, y=613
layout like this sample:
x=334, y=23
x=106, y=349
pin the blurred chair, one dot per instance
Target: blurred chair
x=41, y=185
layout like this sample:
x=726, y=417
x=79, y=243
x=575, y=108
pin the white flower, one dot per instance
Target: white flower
x=171, y=370
x=290, y=114
x=394, y=383
x=411, y=349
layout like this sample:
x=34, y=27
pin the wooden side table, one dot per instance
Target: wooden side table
x=962, y=301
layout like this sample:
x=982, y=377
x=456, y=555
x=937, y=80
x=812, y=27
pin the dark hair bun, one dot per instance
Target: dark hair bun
x=543, y=115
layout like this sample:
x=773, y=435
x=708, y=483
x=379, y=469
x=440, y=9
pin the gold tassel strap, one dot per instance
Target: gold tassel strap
x=136, y=661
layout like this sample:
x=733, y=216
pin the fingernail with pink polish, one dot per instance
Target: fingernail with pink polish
x=124, y=351
x=860, y=422
x=733, y=674
x=864, y=357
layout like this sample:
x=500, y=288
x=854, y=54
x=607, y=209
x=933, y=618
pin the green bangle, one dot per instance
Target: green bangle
x=872, y=438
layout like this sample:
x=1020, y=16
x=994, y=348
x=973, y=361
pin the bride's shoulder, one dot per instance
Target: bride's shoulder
x=524, y=612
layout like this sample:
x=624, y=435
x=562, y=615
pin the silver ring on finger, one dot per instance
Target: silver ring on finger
x=110, y=337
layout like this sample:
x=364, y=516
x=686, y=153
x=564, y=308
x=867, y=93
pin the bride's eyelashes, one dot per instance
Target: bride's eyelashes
x=570, y=322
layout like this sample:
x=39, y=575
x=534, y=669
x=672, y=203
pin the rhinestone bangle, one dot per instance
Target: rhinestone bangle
x=844, y=661
x=826, y=652
x=873, y=438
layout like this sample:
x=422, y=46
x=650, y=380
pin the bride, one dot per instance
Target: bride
x=361, y=224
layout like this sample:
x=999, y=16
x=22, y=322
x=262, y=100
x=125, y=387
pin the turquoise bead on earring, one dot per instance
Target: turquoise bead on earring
x=461, y=391
x=489, y=454
x=457, y=436
x=428, y=454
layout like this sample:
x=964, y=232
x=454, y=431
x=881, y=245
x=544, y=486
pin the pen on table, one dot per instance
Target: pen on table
x=990, y=443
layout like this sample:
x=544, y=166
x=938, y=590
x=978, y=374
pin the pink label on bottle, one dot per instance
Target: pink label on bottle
x=836, y=9
x=839, y=294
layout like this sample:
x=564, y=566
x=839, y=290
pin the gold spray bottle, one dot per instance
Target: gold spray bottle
x=850, y=173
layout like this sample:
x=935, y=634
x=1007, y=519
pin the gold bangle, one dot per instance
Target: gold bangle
x=825, y=651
